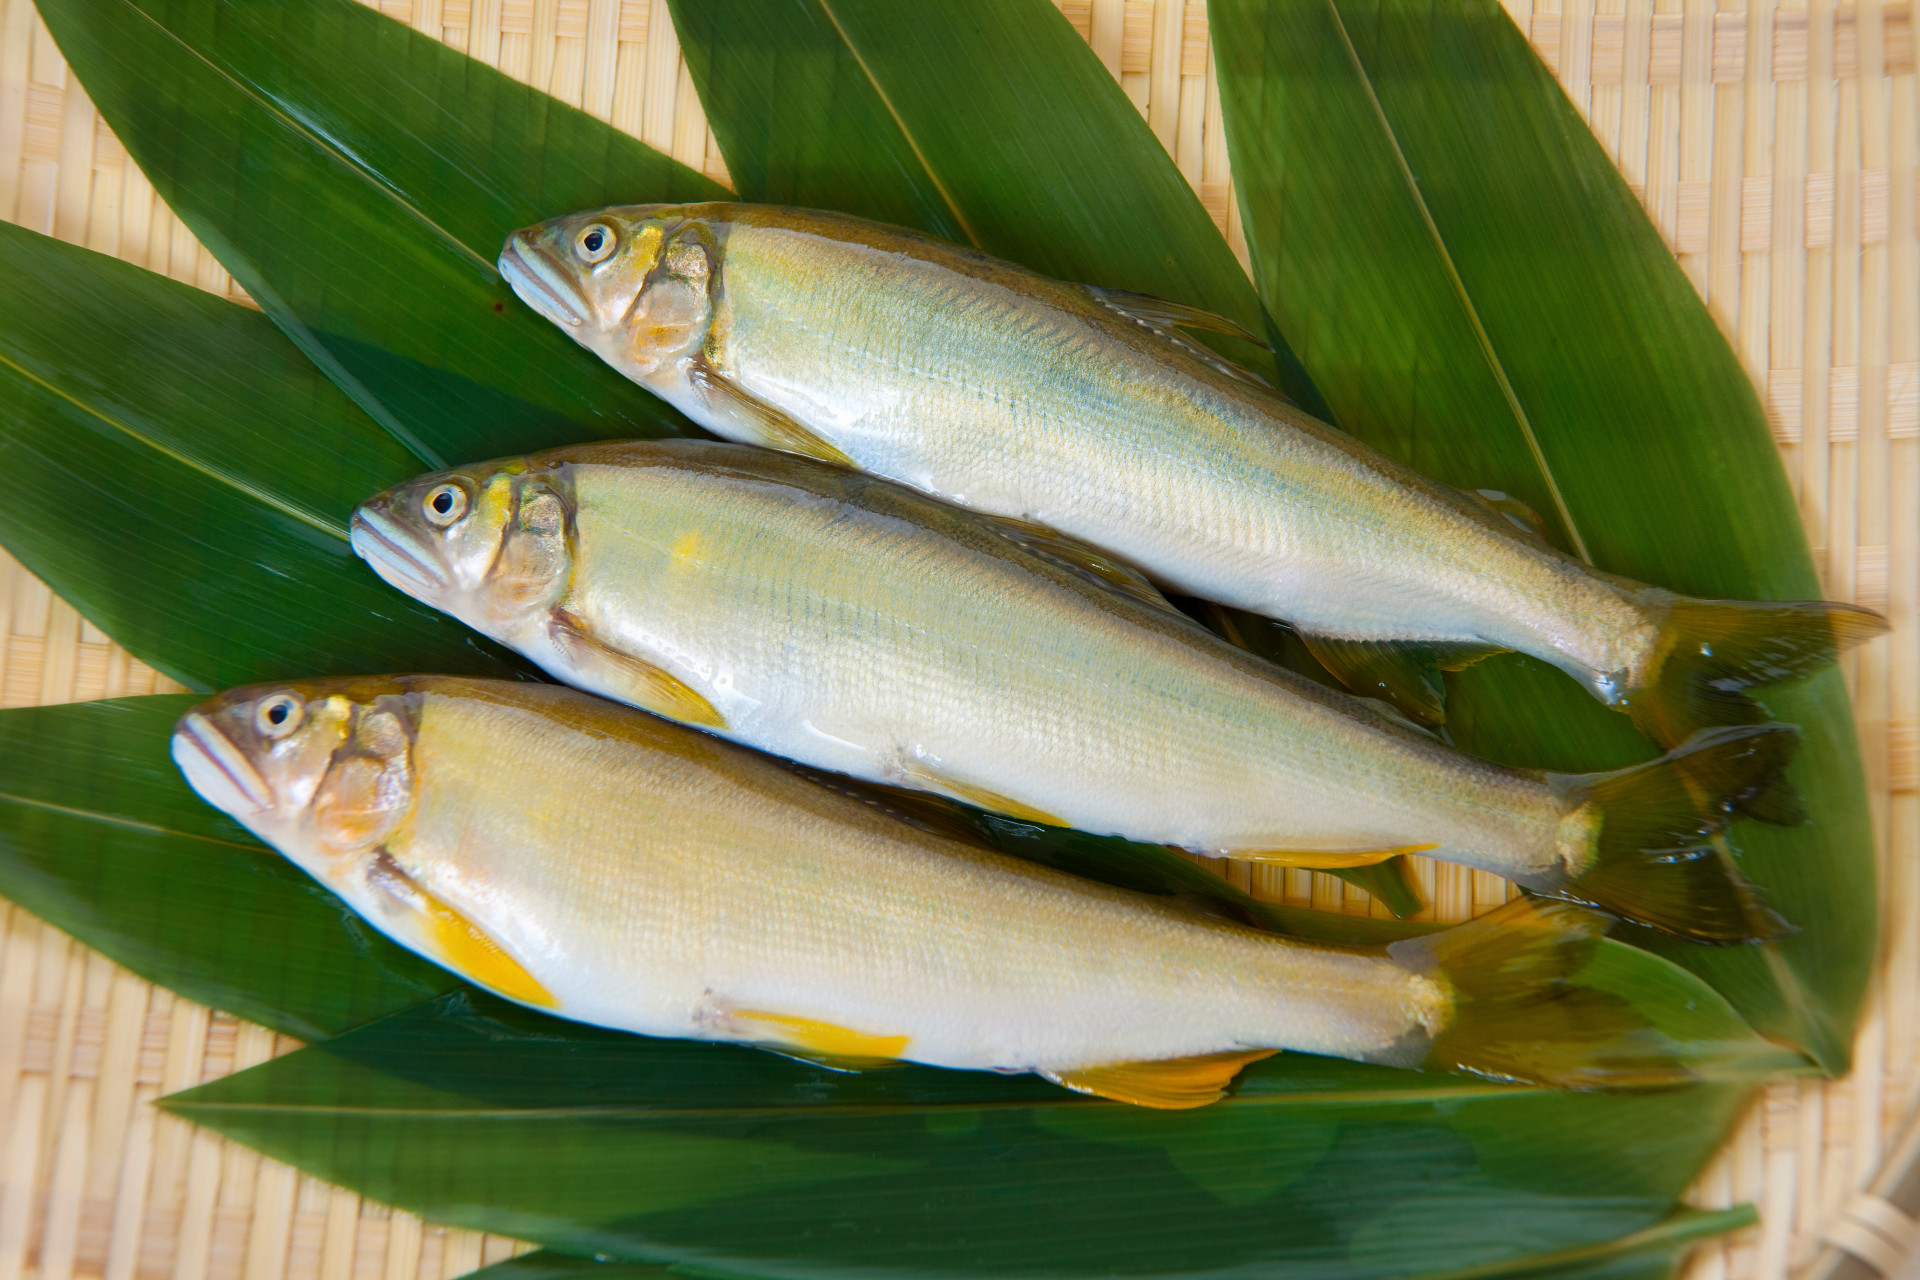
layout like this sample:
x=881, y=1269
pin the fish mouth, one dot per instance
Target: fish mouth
x=394, y=554
x=217, y=769
x=541, y=284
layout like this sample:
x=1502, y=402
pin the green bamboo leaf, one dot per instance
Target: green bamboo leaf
x=730, y=1160
x=358, y=179
x=183, y=477
x=1651, y=1254
x=988, y=122
x=1477, y=292
x=101, y=837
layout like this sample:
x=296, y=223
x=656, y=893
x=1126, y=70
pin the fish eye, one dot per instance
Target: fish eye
x=444, y=504
x=595, y=243
x=278, y=716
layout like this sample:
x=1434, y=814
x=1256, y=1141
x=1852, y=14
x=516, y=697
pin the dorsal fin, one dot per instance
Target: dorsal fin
x=1071, y=553
x=1165, y=319
x=1174, y=1084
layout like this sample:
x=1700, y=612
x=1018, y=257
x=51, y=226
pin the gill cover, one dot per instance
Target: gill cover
x=632, y=283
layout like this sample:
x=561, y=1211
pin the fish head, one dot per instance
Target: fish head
x=632, y=283
x=491, y=544
x=322, y=770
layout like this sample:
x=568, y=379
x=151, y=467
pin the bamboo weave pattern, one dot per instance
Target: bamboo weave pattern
x=1776, y=145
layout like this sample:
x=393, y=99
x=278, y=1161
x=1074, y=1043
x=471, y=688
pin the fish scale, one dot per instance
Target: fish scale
x=861, y=627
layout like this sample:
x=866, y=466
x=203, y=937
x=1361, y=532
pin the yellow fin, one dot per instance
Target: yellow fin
x=984, y=798
x=838, y=1044
x=646, y=685
x=775, y=429
x=472, y=954
x=1171, y=1085
x=1324, y=861
x=464, y=947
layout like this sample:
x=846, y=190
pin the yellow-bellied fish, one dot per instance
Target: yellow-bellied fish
x=619, y=870
x=1086, y=411
x=859, y=626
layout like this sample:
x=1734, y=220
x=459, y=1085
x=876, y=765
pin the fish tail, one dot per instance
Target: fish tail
x=1711, y=651
x=1643, y=838
x=1516, y=1015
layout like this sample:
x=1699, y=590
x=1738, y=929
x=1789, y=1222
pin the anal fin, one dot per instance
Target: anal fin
x=642, y=683
x=773, y=427
x=1323, y=861
x=982, y=797
x=831, y=1046
x=1174, y=1084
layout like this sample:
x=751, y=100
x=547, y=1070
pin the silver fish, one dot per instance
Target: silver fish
x=858, y=626
x=1086, y=411
x=618, y=870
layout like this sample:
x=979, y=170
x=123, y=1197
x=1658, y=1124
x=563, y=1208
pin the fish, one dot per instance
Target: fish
x=616, y=869
x=861, y=627
x=1089, y=412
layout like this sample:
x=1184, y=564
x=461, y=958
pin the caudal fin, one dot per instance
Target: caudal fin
x=1515, y=1014
x=1712, y=651
x=1649, y=831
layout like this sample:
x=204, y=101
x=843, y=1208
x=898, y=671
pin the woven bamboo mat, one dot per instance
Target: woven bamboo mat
x=1776, y=145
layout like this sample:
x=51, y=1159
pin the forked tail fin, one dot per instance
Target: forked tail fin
x=1649, y=834
x=1515, y=1016
x=1712, y=651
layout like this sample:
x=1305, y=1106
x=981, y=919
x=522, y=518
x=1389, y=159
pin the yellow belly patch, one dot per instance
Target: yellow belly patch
x=1323, y=861
x=1174, y=1084
x=823, y=1037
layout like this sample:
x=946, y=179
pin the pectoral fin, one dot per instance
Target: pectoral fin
x=1315, y=860
x=1091, y=562
x=645, y=685
x=1172, y=1085
x=774, y=427
x=982, y=797
x=831, y=1046
x=464, y=947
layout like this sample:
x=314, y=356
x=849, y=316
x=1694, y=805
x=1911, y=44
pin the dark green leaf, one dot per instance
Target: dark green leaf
x=183, y=476
x=1650, y=1254
x=1477, y=292
x=988, y=122
x=358, y=178
x=732, y=1160
x=100, y=836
